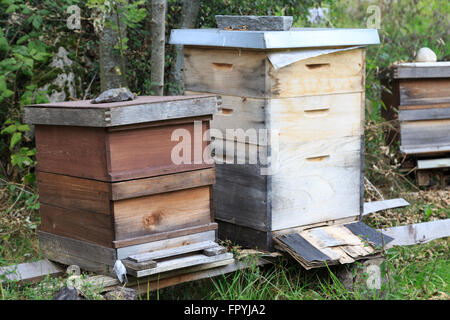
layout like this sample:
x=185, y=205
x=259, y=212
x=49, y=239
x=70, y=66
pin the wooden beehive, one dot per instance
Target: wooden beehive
x=315, y=106
x=417, y=100
x=107, y=184
x=421, y=94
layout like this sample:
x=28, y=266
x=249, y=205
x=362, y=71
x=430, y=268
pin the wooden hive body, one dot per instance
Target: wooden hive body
x=315, y=107
x=421, y=93
x=107, y=184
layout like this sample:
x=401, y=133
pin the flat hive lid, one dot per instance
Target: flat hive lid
x=294, y=38
x=142, y=109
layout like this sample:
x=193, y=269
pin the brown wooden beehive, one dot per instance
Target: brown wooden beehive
x=107, y=184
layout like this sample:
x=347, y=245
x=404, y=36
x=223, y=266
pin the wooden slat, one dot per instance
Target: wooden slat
x=433, y=163
x=138, y=241
x=60, y=245
x=374, y=206
x=209, y=69
x=316, y=181
x=318, y=117
x=71, y=192
x=240, y=196
x=432, y=135
x=144, y=109
x=424, y=114
x=31, y=271
x=162, y=212
x=424, y=106
x=178, y=263
x=74, y=151
x=154, y=255
x=423, y=70
x=245, y=236
x=339, y=72
x=424, y=91
x=77, y=224
x=146, y=152
x=418, y=233
x=161, y=184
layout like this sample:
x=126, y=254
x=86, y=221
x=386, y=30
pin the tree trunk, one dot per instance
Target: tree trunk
x=112, y=64
x=189, y=14
x=158, y=46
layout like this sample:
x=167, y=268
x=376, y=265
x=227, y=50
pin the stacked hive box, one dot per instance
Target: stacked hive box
x=107, y=184
x=421, y=94
x=313, y=107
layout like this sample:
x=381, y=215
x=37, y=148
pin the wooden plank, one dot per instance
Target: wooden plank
x=245, y=236
x=439, y=69
x=146, y=152
x=30, y=271
x=178, y=263
x=162, y=212
x=433, y=163
x=374, y=206
x=238, y=112
x=138, y=266
x=418, y=233
x=424, y=114
x=317, y=117
x=424, y=106
x=71, y=192
x=209, y=69
x=316, y=181
x=60, y=245
x=161, y=184
x=424, y=91
x=240, y=196
x=367, y=233
x=77, y=224
x=124, y=252
x=339, y=72
x=425, y=136
x=143, y=109
x=161, y=111
x=436, y=149
x=74, y=151
x=214, y=251
x=154, y=255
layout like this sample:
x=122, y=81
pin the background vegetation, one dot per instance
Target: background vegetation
x=32, y=33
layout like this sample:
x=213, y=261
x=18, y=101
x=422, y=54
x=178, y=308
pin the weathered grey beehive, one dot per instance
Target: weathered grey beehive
x=306, y=88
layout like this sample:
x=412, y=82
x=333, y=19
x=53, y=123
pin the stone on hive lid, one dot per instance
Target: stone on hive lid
x=114, y=95
x=254, y=23
x=426, y=55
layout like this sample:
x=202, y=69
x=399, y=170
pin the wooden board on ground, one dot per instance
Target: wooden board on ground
x=418, y=233
x=374, y=206
x=31, y=271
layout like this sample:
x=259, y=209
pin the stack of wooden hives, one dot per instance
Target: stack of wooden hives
x=109, y=189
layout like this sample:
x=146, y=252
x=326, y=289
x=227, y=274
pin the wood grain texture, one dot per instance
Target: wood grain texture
x=424, y=136
x=30, y=271
x=161, y=184
x=316, y=181
x=424, y=91
x=75, y=151
x=339, y=72
x=162, y=212
x=245, y=236
x=164, y=244
x=146, y=152
x=240, y=196
x=418, y=70
x=233, y=72
x=424, y=114
x=77, y=224
x=239, y=113
x=143, y=109
x=74, y=193
x=64, y=245
x=317, y=117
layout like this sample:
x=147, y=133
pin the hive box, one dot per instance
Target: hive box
x=306, y=89
x=107, y=184
x=421, y=93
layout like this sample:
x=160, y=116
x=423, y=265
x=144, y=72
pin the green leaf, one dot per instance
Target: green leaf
x=9, y=129
x=29, y=178
x=12, y=8
x=4, y=46
x=37, y=21
x=15, y=139
x=23, y=128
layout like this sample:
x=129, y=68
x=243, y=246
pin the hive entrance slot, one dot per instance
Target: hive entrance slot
x=222, y=66
x=317, y=65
